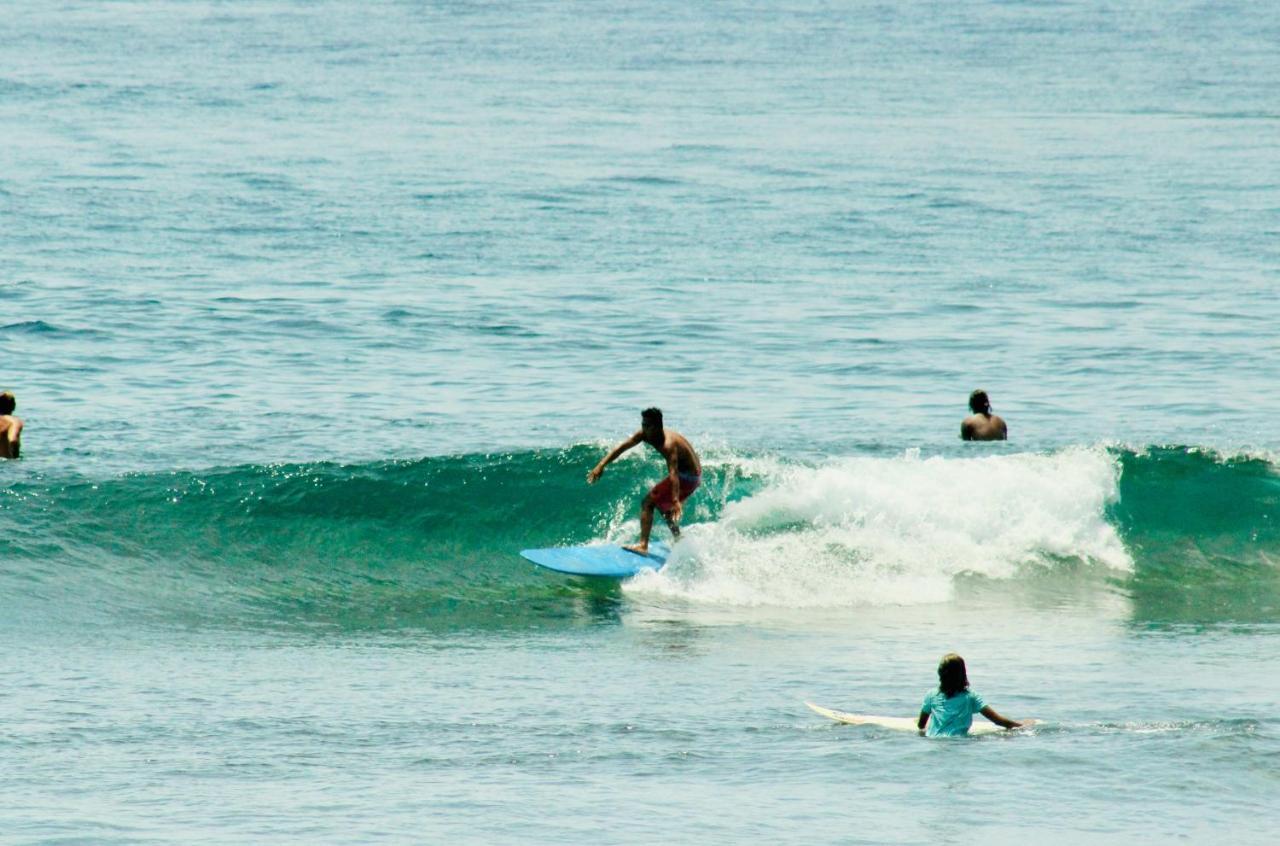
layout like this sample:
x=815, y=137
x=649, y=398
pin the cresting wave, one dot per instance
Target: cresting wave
x=899, y=531
x=1184, y=532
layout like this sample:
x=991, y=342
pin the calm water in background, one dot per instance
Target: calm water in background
x=318, y=312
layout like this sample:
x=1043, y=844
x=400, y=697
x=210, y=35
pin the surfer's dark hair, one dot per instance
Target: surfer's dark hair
x=7, y=403
x=652, y=415
x=979, y=402
x=952, y=677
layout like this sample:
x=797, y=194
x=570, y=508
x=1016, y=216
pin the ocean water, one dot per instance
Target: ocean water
x=317, y=313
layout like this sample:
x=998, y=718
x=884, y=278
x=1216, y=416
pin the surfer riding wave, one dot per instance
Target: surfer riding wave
x=684, y=474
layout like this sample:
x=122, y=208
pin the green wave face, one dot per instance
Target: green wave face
x=1202, y=529
x=383, y=544
x=1184, y=534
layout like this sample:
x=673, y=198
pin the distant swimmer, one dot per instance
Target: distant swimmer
x=948, y=711
x=982, y=425
x=684, y=474
x=10, y=427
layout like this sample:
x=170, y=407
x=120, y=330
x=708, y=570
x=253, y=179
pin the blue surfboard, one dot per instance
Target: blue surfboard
x=604, y=560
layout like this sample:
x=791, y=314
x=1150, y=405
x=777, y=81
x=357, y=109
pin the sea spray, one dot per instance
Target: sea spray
x=898, y=531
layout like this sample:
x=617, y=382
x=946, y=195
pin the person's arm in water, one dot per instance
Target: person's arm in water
x=990, y=714
x=923, y=721
x=596, y=471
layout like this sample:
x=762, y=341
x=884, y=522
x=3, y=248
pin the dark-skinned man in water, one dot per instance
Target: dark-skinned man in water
x=684, y=474
x=10, y=427
x=982, y=425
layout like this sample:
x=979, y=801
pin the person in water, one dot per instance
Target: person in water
x=684, y=474
x=10, y=427
x=948, y=711
x=982, y=425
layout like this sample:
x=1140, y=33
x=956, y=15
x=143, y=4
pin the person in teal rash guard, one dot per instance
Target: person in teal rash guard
x=948, y=711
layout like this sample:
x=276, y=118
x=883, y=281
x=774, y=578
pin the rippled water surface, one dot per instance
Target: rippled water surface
x=318, y=313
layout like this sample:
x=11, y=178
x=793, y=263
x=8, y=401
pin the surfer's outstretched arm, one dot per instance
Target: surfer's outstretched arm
x=596, y=471
x=990, y=714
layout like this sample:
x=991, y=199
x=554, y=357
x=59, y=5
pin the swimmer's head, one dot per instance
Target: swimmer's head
x=979, y=403
x=7, y=403
x=952, y=677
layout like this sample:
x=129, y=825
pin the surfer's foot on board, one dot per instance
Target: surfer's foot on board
x=638, y=549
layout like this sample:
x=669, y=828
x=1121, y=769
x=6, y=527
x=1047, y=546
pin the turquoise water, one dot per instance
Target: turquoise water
x=318, y=313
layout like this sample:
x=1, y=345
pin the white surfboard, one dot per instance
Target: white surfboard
x=901, y=723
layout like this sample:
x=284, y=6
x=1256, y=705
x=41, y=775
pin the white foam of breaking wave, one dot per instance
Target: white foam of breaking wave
x=883, y=531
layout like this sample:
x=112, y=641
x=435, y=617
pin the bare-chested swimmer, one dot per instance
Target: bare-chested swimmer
x=982, y=425
x=684, y=474
x=10, y=427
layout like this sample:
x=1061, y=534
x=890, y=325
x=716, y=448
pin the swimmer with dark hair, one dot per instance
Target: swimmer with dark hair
x=982, y=425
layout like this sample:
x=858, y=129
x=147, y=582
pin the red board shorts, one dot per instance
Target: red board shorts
x=661, y=493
